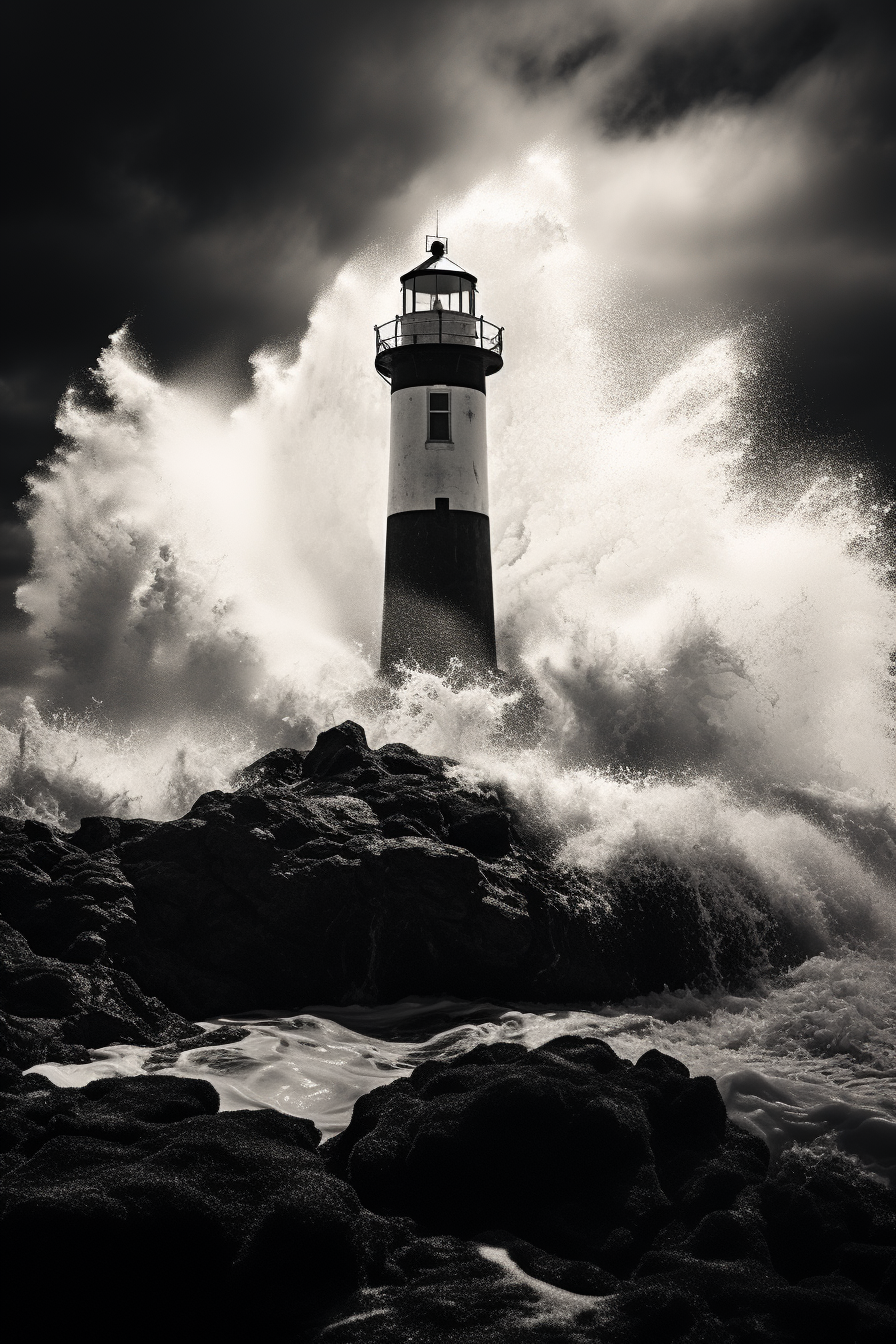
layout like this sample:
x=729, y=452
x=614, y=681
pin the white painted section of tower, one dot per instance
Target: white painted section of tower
x=420, y=470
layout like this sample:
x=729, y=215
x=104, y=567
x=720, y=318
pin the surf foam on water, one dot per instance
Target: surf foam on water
x=710, y=648
x=812, y=1060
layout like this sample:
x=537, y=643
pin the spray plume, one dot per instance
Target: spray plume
x=711, y=661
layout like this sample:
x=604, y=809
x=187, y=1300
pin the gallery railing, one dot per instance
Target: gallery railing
x=438, y=328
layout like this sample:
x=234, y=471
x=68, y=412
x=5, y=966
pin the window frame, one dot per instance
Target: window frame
x=438, y=392
x=430, y=290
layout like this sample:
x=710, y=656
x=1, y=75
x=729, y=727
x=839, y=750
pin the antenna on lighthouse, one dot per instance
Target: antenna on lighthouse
x=436, y=243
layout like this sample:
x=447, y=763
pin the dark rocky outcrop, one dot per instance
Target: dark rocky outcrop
x=606, y=1148
x=66, y=924
x=553, y=1194
x=351, y=875
x=54, y=1010
x=133, y=1200
x=625, y=1184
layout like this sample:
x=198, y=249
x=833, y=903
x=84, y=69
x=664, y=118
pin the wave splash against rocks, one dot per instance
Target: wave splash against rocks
x=347, y=875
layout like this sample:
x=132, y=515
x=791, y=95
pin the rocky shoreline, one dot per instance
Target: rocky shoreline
x=340, y=875
x=558, y=1193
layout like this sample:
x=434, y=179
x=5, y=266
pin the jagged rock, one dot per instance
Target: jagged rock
x=338, y=751
x=67, y=926
x=98, y=833
x=54, y=1010
x=346, y=874
x=61, y=898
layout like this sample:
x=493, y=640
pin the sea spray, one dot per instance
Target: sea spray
x=195, y=567
x=708, y=648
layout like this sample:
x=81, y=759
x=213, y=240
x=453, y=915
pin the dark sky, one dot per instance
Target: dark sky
x=204, y=167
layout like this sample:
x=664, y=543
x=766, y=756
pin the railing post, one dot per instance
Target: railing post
x=440, y=326
x=481, y=334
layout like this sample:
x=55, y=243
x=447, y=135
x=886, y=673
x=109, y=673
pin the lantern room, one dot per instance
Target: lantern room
x=438, y=283
x=438, y=307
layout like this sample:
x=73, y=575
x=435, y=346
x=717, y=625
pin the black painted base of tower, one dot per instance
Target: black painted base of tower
x=438, y=602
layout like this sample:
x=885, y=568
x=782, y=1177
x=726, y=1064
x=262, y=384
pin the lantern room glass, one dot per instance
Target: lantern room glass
x=454, y=292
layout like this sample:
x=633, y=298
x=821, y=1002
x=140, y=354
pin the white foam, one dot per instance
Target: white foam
x=810, y=1059
x=555, y=1306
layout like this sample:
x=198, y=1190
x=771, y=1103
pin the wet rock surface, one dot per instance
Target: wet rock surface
x=66, y=923
x=553, y=1194
x=347, y=875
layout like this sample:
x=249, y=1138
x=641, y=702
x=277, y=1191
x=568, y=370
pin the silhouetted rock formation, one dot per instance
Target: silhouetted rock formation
x=351, y=875
x=69, y=917
x=626, y=1184
x=604, y=1146
x=132, y=1206
x=127, y=1185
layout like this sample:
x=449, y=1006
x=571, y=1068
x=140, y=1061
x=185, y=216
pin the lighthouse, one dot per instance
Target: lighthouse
x=437, y=354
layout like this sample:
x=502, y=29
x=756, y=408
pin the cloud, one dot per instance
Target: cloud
x=729, y=54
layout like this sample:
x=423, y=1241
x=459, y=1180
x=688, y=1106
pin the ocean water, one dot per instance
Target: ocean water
x=710, y=640
x=809, y=1060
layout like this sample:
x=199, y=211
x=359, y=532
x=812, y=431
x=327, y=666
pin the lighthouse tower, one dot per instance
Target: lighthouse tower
x=437, y=355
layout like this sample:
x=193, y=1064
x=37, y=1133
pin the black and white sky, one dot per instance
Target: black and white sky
x=202, y=168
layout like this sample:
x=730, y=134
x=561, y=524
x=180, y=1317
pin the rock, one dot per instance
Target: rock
x=553, y=1145
x=338, y=751
x=141, y=1176
x=52, y=1010
x=99, y=833
x=485, y=833
x=61, y=898
x=557, y=1193
x=345, y=874
x=867, y=1265
x=399, y=759
x=556, y=1148
x=814, y=1206
x=278, y=768
x=141, y=1179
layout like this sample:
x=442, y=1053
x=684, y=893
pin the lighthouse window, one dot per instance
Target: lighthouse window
x=439, y=416
x=455, y=293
